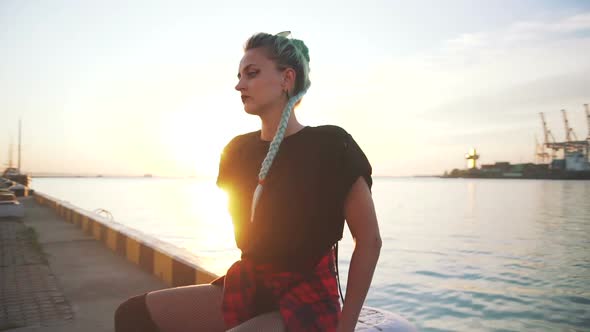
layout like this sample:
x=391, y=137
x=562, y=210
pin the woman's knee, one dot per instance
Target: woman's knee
x=188, y=308
x=133, y=315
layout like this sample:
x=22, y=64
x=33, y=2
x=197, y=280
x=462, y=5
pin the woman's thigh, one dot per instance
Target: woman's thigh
x=190, y=308
x=269, y=322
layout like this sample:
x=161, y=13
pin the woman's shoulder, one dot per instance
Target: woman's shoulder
x=333, y=136
x=329, y=132
x=239, y=140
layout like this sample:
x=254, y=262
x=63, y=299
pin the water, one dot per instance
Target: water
x=480, y=255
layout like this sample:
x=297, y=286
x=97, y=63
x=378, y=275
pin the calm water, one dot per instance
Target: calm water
x=483, y=255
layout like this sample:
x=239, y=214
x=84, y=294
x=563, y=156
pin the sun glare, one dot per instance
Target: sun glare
x=194, y=148
x=214, y=234
x=211, y=207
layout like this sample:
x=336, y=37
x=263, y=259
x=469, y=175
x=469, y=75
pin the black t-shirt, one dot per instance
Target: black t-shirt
x=300, y=214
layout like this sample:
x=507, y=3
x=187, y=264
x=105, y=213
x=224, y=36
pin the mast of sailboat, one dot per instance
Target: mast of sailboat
x=19, y=142
x=10, y=154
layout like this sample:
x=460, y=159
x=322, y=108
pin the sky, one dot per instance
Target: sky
x=135, y=87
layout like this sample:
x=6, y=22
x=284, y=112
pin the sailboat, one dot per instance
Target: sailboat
x=21, y=181
x=9, y=190
x=9, y=205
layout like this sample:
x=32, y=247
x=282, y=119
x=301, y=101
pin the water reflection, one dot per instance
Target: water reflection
x=188, y=213
x=458, y=254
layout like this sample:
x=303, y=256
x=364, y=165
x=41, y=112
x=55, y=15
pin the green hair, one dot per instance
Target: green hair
x=286, y=53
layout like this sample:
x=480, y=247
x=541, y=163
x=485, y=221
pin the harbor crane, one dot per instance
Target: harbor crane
x=541, y=155
x=571, y=145
x=569, y=131
x=548, y=135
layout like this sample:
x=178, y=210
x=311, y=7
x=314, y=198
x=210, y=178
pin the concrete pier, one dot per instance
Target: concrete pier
x=55, y=277
x=66, y=269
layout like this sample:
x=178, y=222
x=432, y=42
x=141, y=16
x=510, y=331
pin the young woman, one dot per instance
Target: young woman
x=290, y=187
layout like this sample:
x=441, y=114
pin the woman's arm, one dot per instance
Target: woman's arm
x=362, y=222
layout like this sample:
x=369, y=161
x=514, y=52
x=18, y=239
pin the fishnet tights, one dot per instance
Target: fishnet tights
x=198, y=308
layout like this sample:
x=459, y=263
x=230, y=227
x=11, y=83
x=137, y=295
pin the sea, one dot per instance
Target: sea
x=458, y=254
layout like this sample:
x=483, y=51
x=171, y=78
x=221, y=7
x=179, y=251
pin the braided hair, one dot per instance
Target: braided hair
x=286, y=53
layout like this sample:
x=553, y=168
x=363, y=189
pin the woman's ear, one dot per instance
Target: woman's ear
x=289, y=77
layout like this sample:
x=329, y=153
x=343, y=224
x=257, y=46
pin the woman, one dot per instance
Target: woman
x=290, y=189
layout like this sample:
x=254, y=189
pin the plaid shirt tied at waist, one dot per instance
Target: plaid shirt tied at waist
x=307, y=301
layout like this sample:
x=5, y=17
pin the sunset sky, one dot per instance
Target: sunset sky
x=134, y=87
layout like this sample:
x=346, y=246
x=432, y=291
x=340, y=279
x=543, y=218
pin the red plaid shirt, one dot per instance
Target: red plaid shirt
x=307, y=301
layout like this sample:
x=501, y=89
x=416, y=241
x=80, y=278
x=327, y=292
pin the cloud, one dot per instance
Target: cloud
x=517, y=103
x=482, y=89
x=477, y=75
x=521, y=34
x=510, y=75
x=564, y=27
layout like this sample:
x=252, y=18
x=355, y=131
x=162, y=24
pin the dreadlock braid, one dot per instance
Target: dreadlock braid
x=274, y=149
x=286, y=53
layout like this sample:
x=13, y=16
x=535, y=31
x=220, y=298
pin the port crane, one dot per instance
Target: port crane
x=541, y=154
x=571, y=145
x=549, y=138
x=588, y=119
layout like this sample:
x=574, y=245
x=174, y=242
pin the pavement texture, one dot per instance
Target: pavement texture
x=53, y=277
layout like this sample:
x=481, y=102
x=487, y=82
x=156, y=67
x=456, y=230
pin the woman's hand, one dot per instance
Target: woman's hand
x=362, y=222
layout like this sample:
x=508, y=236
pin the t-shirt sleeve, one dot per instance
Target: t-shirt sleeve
x=356, y=164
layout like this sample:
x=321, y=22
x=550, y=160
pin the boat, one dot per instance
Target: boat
x=23, y=179
x=10, y=206
x=17, y=189
x=14, y=173
x=5, y=183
